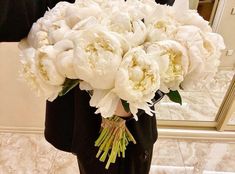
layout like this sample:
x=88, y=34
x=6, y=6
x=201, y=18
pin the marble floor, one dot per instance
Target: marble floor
x=201, y=103
x=31, y=154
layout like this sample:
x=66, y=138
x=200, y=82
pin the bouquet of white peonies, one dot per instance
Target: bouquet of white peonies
x=119, y=51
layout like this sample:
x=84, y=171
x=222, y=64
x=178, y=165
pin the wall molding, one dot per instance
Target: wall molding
x=218, y=15
x=15, y=129
x=163, y=133
x=197, y=134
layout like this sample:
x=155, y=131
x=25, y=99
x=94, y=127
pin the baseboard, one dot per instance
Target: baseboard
x=31, y=130
x=163, y=133
x=228, y=68
x=197, y=134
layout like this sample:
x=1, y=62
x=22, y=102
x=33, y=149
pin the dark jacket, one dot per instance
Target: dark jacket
x=71, y=124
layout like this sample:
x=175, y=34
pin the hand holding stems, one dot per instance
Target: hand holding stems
x=120, y=111
x=114, y=136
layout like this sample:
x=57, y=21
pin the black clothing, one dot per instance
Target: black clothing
x=137, y=161
x=71, y=124
x=17, y=17
x=78, y=123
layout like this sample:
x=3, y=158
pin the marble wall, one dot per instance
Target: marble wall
x=31, y=154
x=199, y=103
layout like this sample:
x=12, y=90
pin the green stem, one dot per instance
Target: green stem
x=113, y=139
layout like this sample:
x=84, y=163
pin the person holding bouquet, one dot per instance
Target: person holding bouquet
x=120, y=57
x=70, y=125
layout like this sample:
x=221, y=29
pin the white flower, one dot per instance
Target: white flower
x=77, y=13
x=64, y=60
x=204, y=50
x=51, y=25
x=98, y=54
x=173, y=63
x=185, y=16
x=89, y=3
x=37, y=38
x=105, y=101
x=136, y=9
x=46, y=67
x=164, y=20
x=85, y=24
x=191, y=17
x=160, y=23
x=138, y=34
x=29, y=72
x=57, y=30
x=137, y=80
x=133, y=31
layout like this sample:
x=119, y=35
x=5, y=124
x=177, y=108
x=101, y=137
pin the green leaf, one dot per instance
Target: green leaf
x=175, y=97
x=125, y=105
x=68, y=85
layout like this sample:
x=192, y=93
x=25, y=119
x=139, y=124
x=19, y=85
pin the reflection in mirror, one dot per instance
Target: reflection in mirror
x=199, y=104
x=203, y=102
x=232, y=120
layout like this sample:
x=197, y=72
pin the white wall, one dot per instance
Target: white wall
x=19, y=107
x=225, y=25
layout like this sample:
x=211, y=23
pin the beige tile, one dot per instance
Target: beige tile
x=217, y=97
x=31, y=154
x=167, y=153
x=194, y=155
x=156, y=169
x=201, y=157
x=64, y=163
x=197, y=106
x=221, y=81
x=221, y=158
x=162, y=109
x=232, y=119
x=26, y=154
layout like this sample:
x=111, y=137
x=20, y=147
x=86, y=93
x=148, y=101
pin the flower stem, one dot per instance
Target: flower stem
x=113, y=139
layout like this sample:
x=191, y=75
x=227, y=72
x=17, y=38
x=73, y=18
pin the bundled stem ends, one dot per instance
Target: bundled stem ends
x=113, y=139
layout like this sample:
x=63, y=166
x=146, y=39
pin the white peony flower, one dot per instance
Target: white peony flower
x=77, y=13
x=85, y=24
x=160, y=23
x=138, y=34
x=133, y=31
x=105, y=101
x=185, y=16
x=162, y=20
x=30, y=73
x=47, y=71
x=65, y=58
x=137, y=80
x=51, y=25
x=136, y=9
x=57, y=30
x=173, y=63
x=191, y=17
x=204, y=51
x=98, y=54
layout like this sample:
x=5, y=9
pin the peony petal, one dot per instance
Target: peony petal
x=107, y=106
x=97, y=96
x=181, y=5
x=85, y=86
